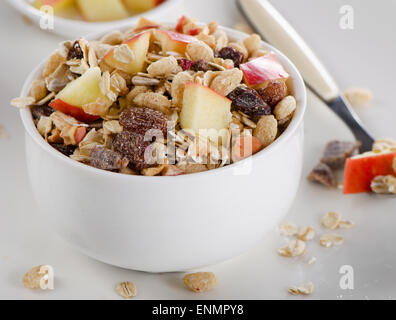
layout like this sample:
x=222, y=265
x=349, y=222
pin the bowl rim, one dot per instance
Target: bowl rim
x=26, y=8
x=300, y=92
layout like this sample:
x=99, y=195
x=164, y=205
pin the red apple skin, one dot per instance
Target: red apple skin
x=74, y=111
x=80, y=134
x=134, y=38
x=179, y=26
x=158, y=2
x=146, y=28
x=359, y=172
x=263, y=69
x=179, y=37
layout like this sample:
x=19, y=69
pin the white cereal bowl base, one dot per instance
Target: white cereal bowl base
x=164, y=224
x=71, y=29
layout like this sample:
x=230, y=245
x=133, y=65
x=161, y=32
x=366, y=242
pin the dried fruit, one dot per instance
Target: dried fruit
x=75, y=51
x=274, y=92
x=248, y=101
x=336, y=153
x=126, y=289
x=201, y=281
x=105, y=159
x=323, y=174
x=132, y=146
x=200, y=65
x=41, y=111
x=231, y=53
x=66, y=150
x=141, y=120
x=330, y=240
x=294, y=248
x=185, y=64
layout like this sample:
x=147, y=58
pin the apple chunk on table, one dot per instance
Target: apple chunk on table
x=205, y=112
x=76, y=94
x=139, y=46
x=263, y=69
x=361, y=170
x=57, y=5
x=173, y=41
x=102, y=10
x=141, y=5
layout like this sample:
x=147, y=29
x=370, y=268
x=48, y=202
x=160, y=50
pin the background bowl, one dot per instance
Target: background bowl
x=76, y=28
x=161, y=224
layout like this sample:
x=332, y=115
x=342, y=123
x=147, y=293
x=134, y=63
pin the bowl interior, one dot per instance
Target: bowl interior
x=297, y=87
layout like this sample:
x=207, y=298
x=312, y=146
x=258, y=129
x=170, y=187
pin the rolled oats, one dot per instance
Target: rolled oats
x=285, y=108
x=118, y=84
x=227, y=81
x=345, y=225
x=97, y=108
x=201, y=281
x=384, y=145
x=199, y=50
x=22, y=102
x=32, y=279
x=243, y=27
x=124, y=54
x=154, y=101
x=164, y=67
x=384, y=185
x=126, y=290
x=305, y=289
x=144, y=81
x=44, y=126
x=294, y=248
x=331, y=220
x=55, y=60
x=330, y=240
x=113, y=38
x=221, y=39
x=288, y=229
x=38, y=90
x=306, y=233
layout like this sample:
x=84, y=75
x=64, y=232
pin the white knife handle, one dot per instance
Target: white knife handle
x=278, y=32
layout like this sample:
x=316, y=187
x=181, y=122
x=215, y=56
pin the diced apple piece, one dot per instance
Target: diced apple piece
x=76, y=94
x=362, y=169
x=141, y=5
x=145, y=24
x=57, y=5
x=205, y=112
x=245, y=147
x=262, y=69
x=102, y=10
x=173, y=41
x=139, y=45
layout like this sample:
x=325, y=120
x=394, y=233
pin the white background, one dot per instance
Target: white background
x=362, y=57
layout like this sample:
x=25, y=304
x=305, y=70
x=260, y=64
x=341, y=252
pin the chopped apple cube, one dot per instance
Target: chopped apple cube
x=173, y=41
x=76, y=94
x=141, y=5
x=205, y=112
x=57, y=5
x=102, y=10
x=262, y=69
x=139, y=46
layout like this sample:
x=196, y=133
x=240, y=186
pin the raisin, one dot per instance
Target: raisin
x=336, y=153
x=141, y=120
x=274, y=92
x=105, y=159
x=232, y=54
x=66, y=150
x=323, y=174
x=132, y=146
x=249, y=101
x=39, y=111
x=200, y=65
x=75, y=52
x=185, y=64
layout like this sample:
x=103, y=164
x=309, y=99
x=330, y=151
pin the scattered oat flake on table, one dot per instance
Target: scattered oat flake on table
x=330, y=240
x=126, y=289
x=288, y=229
x=294, y=248
x=331, y=220
x=384, y=185
x=32, y=278
x=306, y=233
x=3, y=132
x=305, y=289
x=201, y=281
x=359, y=96
x=312, y=260
x=345, y=225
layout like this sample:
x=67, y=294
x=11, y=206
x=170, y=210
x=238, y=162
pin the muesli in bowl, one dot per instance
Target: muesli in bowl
x=160, y=100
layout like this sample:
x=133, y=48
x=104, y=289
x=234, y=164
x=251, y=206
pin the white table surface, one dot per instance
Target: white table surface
x=361, y=57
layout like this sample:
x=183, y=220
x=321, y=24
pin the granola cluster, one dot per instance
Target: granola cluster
x=160, y=100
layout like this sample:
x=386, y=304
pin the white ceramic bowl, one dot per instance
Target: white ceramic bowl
x=77, y=28
x=160, y=224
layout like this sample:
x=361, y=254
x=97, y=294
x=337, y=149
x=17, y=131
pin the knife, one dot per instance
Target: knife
x=274, y=28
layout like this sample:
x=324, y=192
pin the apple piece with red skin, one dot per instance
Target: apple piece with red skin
x=180, y=23
x=262, y=69
x=102, y=10
x=141, y=5
x=145, y=24
x=139, y=45
x=80, y=134
x=80, y=92
x=57, y=5
x=173, y=41
x=361, y=170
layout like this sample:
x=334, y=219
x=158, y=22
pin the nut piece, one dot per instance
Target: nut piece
x=288, y=229
x=306, y=234
x=163, y=67
x=331, y=220
x=126, y=290
x=305, y=289
x=199, y=50
x=227, y=81
x=274, y=92
x=359, y=96
x=285, y=108
x=201, y=281
x=330, y=240
x=323, y=174
x=266, y=130
x=252, y=43
x=294, y=248
x=384, y=185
